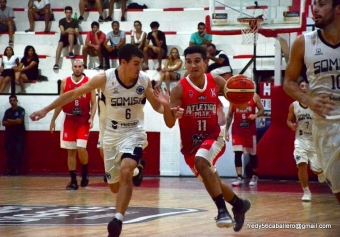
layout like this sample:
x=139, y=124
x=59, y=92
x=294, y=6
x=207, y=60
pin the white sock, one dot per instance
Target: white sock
x=135, y=172
x=119, y=216
x=306, y=189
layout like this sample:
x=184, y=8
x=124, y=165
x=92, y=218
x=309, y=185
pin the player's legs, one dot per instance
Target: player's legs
x=205, y=159
x=82, y=135
x=238, y=165
x=72, y=167
x=301, y=159
x=68, y=135
x=327, y=145
x=237, y=144
x=123, y=174
x=249, y=147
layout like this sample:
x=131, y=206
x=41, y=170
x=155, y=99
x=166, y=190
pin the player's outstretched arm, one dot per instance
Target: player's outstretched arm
x=96, y=82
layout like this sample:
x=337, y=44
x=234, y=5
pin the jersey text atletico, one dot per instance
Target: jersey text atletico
x=199, y=120
x=81, y=105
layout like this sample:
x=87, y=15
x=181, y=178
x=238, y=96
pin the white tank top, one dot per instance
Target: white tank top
x=138, y=41
x=124, y=108
x=9, y=63
x=303, y=133
x=323, y=69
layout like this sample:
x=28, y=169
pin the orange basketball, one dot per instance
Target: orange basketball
x=239, y=89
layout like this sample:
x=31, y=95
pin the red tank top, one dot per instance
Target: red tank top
x=80, y=106
x=199, y=120
x=241, y=122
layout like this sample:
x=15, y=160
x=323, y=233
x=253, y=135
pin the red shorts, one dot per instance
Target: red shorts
x=75, y=131
x=244, y=142
x=209, y=149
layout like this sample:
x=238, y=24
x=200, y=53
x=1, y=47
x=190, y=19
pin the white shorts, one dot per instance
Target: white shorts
x=113, y=155
x=102, y=119
x=307, y=156
x=327, y=145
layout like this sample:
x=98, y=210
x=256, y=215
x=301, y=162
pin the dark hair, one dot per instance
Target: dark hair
x=12, y=96
x=27, y=48
x=196, y=49
x=300, y=80
x=128, y=51
x=137, y=22
x=114, y=22
x=211, y=45
x=336, y=3
x=68, y=8
x=94, y=24
x=200, y=24
x=7, y=48
x=154, y=24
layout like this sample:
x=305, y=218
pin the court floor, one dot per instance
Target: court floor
x=34, y=206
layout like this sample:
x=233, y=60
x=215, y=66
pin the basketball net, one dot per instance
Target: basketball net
x=250, y=32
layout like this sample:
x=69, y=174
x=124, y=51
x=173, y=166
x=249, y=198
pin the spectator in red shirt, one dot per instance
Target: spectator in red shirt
x=93, y=45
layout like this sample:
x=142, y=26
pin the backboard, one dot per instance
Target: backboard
x=279, y=16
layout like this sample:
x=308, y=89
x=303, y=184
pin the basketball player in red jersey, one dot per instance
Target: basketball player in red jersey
x=194, y=101
x=78, y=120
x=243, y=132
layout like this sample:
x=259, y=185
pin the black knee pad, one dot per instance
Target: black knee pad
x=238, y=158
x=253, y=161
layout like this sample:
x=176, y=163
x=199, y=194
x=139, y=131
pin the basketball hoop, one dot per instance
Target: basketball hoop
x=250, y=33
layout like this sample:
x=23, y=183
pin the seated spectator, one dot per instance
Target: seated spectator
x=93, y=45
x=218, y=62
x=28, y=67
x=138, y=36
x=10, y=63
x=200, y=38
x=158, y=48
x=170, y=72
x=68, y=35
x=111, y=6
x=7, y=23
x=88, y=4
x=117, y=39
x=39, y=10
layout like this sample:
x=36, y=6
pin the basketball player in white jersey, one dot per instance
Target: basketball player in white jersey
x=300, y=120
x=320, y=52
x=137, y=173
x=126, y=90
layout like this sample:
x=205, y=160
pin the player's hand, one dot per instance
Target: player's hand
x=293, y=126
x=321, y=104
x=162, y=96
x=38, y=115
x=226, y=136
x=177, y=112
x=52, y=127
x=252, y=116
x=91, y=123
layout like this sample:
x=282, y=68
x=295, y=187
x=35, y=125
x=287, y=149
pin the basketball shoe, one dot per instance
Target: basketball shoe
x=137, y=180
x=253, y=181
x=114, y=227
x=223, y=219
x=238, y=182
x=307, y=196
x=239, y=216
x=84, y=182
x=72, y=186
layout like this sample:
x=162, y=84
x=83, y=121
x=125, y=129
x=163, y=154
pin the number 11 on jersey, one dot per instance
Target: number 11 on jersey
x=202, y=125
